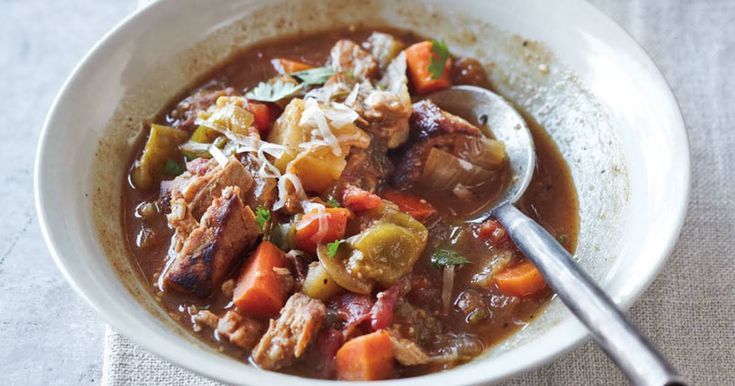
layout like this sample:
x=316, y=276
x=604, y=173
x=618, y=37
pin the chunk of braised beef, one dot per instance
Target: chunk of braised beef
x=366, y=169
x=185, y=113
x=289, y=336
x=348, y=57
x=428, y=120
x=240, y=330
x=210, y=250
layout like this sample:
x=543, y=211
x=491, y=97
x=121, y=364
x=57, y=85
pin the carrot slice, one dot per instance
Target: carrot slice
x=308, y=234
x=522, y=280
x=366, y=358
x=416, y=206
x=258, y=290
x=288, y=66
x=262, y=117
x=418, y=59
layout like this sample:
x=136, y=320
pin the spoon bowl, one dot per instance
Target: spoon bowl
x=497, y=118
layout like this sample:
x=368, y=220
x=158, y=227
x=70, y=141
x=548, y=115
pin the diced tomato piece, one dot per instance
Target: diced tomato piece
x=381, y=315
x=263, y=117
x=495, y=233
x=359, y=200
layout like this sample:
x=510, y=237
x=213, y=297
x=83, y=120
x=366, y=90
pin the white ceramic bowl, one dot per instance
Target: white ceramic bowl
x=593, y=88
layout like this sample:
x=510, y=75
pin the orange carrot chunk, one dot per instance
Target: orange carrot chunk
x=287, y=66
x=308, y=233
x=262, y=117
x=258, y=290
x=417, y=207
x=522, y=280
x=366, y=358
x=418, y=60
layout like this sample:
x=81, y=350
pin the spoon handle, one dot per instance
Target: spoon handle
x=620, y=339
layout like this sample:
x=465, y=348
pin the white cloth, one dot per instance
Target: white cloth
x=689, y=310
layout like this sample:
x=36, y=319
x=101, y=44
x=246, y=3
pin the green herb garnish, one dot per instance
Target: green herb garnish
x=333, y=247
x=273, y=92
x=562, y=239
x=312, y=76
x=444, y=257
x=173, y=168
x=333, y=203
x=439, y=57
x=262, y=215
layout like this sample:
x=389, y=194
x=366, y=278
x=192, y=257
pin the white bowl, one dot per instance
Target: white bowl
x=593, y=88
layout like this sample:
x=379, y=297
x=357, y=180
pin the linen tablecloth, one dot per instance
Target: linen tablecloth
x=689, y=310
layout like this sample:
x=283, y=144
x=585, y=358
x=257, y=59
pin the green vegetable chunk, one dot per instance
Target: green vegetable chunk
x=161, y=146
x=318, y=284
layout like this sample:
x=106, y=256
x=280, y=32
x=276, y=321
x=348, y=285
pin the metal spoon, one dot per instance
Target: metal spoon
x=617, y=336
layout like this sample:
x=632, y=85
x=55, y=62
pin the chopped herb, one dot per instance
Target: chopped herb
x=173, y=168
x=444, y=257
x=317, y=75
x=333, y=247
x=562, y=239
x=439, y=57
x=262, y=215
x=333, y=203
x=273, y=92
x=204, y=307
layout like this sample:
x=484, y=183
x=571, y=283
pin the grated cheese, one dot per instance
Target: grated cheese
x=218, y=155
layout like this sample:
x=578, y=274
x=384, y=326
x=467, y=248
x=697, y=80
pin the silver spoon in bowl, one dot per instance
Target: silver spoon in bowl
x=618, y=337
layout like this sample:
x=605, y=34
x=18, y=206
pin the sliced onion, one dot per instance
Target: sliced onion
x=447, y=287
x=443, y=171
x=483, y=152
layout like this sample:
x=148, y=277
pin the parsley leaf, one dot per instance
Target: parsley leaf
x=273, y=92
x=333, y=247
x=439, y=57
x=333, y=203
x=262, y=215
x=444, y=257
x=173, y=168
x=317, y=75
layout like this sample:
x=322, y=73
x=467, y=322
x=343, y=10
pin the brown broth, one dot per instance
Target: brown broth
x=550, y=199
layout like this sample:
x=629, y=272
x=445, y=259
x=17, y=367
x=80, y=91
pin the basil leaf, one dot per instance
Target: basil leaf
x=314, y=76
x=273, y=92
x=439, y=57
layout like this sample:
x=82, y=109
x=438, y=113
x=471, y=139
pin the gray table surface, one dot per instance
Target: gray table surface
x=49, y=336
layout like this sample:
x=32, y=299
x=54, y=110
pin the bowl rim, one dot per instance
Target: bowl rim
x=577, y=334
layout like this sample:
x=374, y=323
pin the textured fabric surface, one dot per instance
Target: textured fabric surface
x=689, y=310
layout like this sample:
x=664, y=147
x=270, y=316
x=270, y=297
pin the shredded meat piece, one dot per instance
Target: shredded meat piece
x=407, y=352
x=348, y=57
x=366, y=169
x=299, y=266
x=288, y=337
x=206, y=318
x=185, y=113
x=242, y=331
x=428, y=120
x=209, y=252
x=232, y=174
